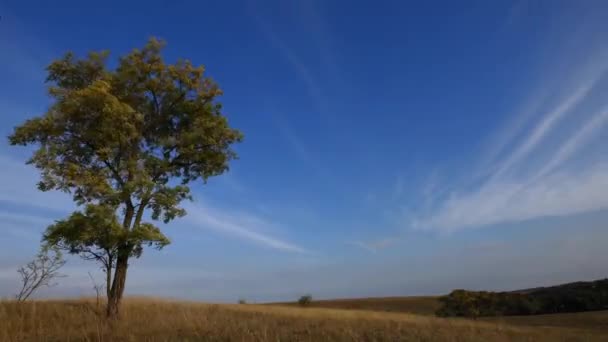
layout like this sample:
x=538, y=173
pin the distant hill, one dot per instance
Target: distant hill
x=567, y=286
x=424, y=305
x=571, y=297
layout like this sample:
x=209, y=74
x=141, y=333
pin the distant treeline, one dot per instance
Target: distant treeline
x=573, y=297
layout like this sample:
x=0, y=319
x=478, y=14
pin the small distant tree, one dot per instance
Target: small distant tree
x=242, y=301
x=125, y=141
x=305, y=300
x=40, y=272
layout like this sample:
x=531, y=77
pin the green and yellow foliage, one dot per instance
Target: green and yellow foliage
x=124, y=141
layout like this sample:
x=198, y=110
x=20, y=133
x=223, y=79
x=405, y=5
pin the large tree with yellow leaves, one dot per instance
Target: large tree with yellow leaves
x=125, y=142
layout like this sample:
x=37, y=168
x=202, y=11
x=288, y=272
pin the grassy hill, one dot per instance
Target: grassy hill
x=158, y=320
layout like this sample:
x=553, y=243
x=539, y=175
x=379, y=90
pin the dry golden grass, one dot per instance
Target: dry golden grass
x=158, y=320
x=595, y=320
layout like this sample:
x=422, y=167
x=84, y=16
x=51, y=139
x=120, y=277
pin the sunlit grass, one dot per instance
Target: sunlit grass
x=160, y=320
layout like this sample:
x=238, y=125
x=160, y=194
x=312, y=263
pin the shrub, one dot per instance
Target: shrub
x=305, y=300
x=242, y=301
x=40, y=272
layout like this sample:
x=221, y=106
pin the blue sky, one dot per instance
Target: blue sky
x=391, y=147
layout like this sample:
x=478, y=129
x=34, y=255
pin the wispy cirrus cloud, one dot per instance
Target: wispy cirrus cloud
x=312, y=86
x=560, y=194
x=300, y=68
x=306, y=17
x=543, y=173
x=23, y=218
x=14, y=231
x=239, y=225
x=18, y=189
x=577, y=141
x=547, y=123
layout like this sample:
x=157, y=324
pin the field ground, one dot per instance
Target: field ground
x=427, y=306
x=159, y=320
x=596, y=321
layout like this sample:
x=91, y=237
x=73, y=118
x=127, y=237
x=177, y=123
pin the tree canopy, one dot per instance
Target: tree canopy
x=122, y=141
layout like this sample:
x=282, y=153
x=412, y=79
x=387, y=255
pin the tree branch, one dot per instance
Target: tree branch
x=38, y=273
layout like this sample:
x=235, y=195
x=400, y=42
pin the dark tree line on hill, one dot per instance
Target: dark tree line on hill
x=573, y=297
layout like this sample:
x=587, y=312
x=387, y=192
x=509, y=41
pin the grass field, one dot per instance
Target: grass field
x=596, y=321
x=158, y=320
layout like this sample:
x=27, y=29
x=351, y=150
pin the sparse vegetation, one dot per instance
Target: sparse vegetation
x=157, y=320
x=40, y=272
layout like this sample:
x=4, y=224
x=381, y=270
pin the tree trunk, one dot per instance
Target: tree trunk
x=120, y=270
x=108, y=268
x=118, y=285
x=108, y=283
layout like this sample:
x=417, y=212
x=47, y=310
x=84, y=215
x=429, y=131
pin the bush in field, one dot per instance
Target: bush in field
x=305, y=300
x=459, y=303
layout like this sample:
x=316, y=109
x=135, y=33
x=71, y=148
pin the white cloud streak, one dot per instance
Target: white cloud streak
x=546, y=124
x=299, y=67
x=240, y=225
x=31, y=219
x=558, y=187
x=19, y=232
x=17, y=187
x=557, y=195
x=577, y=141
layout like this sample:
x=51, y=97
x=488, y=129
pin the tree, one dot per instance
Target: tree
x=94, y=235
x=40, y=272
x=125, y=141
x=305, y=300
